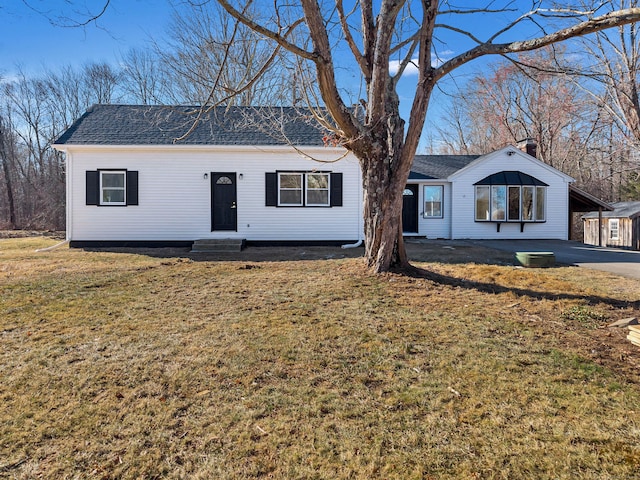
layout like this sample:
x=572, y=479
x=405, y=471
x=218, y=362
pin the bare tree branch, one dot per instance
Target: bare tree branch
x=621, y=17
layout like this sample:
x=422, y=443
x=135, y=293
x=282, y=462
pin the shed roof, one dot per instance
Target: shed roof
x=620, y=210
x=162, y=125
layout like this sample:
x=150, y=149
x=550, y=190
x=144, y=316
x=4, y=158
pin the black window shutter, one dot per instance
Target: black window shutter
x=336, y=190
x=271, y=189
x=132, y=187
x=93, y=187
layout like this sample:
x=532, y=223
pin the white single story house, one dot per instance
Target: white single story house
x=269, y=175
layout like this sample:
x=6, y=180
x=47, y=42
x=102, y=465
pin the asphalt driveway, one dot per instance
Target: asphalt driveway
x=618, y=261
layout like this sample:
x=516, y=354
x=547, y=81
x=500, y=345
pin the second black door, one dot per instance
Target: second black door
x=410, y=209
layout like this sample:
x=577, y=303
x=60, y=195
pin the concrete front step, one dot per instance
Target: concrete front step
x=212, y=245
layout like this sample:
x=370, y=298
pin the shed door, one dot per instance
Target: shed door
x=223, y=202
x=410, y=209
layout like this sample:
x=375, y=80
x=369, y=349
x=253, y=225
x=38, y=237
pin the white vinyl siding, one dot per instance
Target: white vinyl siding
x=434, y=226
x=550, y=222
x=175, y=197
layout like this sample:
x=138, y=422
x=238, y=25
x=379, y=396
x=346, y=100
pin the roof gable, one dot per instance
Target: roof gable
x=510, y=150
x=162, y=125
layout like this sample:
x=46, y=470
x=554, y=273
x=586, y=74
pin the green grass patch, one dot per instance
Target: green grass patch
x=122, y=365
x=585, y=315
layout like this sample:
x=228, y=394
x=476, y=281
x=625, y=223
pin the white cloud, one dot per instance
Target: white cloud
x=412, y=68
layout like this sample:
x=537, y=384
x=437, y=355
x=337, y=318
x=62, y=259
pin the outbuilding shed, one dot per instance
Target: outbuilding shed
x=618, y=228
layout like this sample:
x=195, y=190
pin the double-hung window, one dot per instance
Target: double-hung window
x=317, y=189
x=614, y=229
x=303, y=189
x=433, y=201
x=113, y=187
x=290, y=189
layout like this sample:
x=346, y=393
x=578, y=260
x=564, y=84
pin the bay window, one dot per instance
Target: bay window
x=510, y=197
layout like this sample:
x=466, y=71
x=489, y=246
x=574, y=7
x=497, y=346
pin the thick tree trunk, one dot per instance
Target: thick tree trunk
x=384, y=244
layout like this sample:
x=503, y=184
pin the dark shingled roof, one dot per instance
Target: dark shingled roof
x=621, y=210
x=161, y=125
x=433, y=167
x=261, y=126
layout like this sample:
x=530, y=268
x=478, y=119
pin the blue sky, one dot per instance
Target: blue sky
x=29, y=40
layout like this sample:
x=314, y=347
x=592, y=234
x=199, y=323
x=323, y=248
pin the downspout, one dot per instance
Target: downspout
x=353, y=245
x=68, y=177
x=360, y=227
x=48, y=249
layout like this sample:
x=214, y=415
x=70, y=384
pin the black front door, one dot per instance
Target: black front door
x=410, y=209
x=223, y=201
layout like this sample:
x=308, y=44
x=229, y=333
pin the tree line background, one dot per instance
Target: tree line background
x=579, y=102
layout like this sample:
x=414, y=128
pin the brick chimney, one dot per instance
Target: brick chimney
x=529, y=146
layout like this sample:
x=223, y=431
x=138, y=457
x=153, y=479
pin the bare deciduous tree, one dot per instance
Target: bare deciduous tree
x=209, y=58
x=528, y=98
x=374, y=34
x=34, y=112
x=8, y=158
x=609, y=71
x=141, y=77
x=101, y=81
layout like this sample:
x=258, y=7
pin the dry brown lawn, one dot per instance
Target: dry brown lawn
x=296, y=363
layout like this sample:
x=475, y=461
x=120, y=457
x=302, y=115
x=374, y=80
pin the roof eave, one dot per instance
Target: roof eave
x=587, y=199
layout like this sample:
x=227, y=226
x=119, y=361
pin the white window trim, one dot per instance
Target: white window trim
x=307, y=189
x=507, y=219
x=424, y=198
x=124, y=187
x=544, y=204
x=304, y=194
x=301, y=189
x=612, y=222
